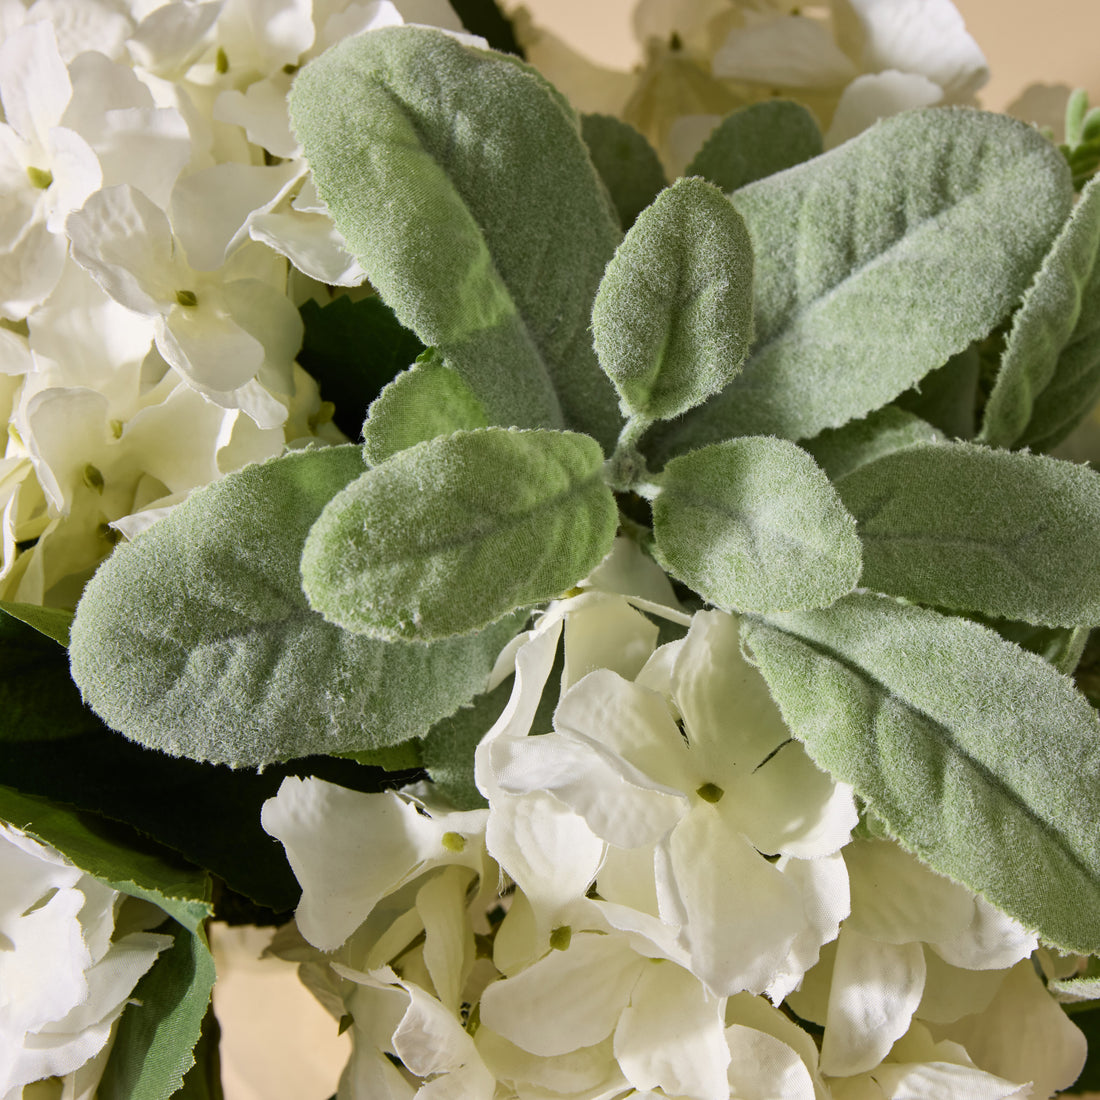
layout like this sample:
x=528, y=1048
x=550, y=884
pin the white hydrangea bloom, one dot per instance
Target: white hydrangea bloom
x=64, y=976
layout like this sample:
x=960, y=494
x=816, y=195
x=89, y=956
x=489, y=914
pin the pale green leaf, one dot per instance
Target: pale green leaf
x=627, y=164
x=757, y=141
x=488, y=238
x=196, y=639
x=839, y=451
x=754, y=525
x=673, y=317
x=427, y=400
x=878, y=261
x=1050, y=373
x=453, y=533
x=54, y=622
x=947, y=396
x=979, y=757
x=965, y=527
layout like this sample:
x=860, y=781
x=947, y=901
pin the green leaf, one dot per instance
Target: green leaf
x=53, y=622
x=1050, y=373
x=839, y=451
x=754, y=525
x=877, y=262
x=203, y=1081
x=755, y=142
x=1084, y=986
x=195, y=639
x=947, y=396
x=37, y=697
x=427, y=400
x=628, y=165
x=485, y=18
x=448, y=536
x=353, y=348
x=978, y=756
x=157, y=1034
x=961, y=526
x=673, y=317
x=488, y=239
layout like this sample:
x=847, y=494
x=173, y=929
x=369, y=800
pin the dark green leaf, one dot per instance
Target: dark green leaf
x=839, y=451
x=53, y=622
x=485, y=18
x=946, y=397
x=627, y=164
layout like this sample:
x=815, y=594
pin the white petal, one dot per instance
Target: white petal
x=145, y=147
x=34, y=83
x=100, y=86
x=590, y=1072
x=951, y=992
x=869, y=98
x=30, y=271
x=448, y=937
x=568, y=999
x=992, y=941
x=607, y=633
x=685, y=138
x=312, y=244
x=940, y=1080
x=267, y=315
x=764, y=1068
x=80, y=25
x=172, y=35
x=629, y=572
x=742, y=912
x=789, y=51
x=261, y=109
x=76, y=172
x=208, y=347
x=876, y=988
x=755, y=1013
x=922, y=36
x=671, y=1036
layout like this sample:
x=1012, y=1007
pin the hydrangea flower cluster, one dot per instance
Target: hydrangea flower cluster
x=664, y=898
x=850, y=61
x=158, y=228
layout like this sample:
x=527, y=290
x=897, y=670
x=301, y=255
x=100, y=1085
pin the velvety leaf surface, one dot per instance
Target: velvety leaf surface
x=488, y=239
x=965, y=527
x=427, y=400
x=627, y=164
x=450, y=535
x=839, y=451
x=947, y=396
x=353, y=349
x=673, y=317
x=1050, y=372
x=978, y=756
x=755, y=142
x=878, y=261
x=754, y=525
x=196, y=638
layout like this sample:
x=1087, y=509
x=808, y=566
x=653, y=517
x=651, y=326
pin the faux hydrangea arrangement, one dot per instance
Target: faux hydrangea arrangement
x=682, y=686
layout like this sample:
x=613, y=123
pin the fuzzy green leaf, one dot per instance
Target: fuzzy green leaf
x=488, y=239
x=947, y=396
x=427, y=400
x=754, y=525
x=196, y=639
x=673, y=317
x=1050, y=372
x=755, y=142
x=979, y=757
x=627, y=164
x=839, y=451
x=450, y=535
x=877, y=262
x=960, y=526
x=53, y=622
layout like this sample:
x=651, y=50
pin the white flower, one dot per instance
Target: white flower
x=64, y=979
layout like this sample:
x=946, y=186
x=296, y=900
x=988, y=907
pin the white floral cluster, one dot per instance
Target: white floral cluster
x=663, y=899
x=850, y=61
x=154, y=207
x=71, y=952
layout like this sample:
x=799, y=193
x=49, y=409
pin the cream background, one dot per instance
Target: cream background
x=277, y=1042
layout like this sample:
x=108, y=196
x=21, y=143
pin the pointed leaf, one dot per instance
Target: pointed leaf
x=755, y=142
x=427, y=400
x=628, y=165
x=964, y=527
x=1050, y=372
x=877, y=262
x=488, y=239
x=948, y=396
x=450, y=535
x=53, y=622
x=673, y=317
x=754, y=525
x=195, y=639
x=979, y=757
x=839, y=451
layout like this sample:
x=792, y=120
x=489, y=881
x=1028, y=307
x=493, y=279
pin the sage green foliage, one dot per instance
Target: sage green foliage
x=427, y=400
x=452, y=534
x=628, y=165
x=979, y=757
x=839, y=451
x=53, y=622
x=757, y=141
x=965, y=527
x=1082, y=145
x=1050, y=372
x=672, y=320
x=487, y=238
x=947, y=397
x=196, y=639
x=878, y=261
x=754, y=525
